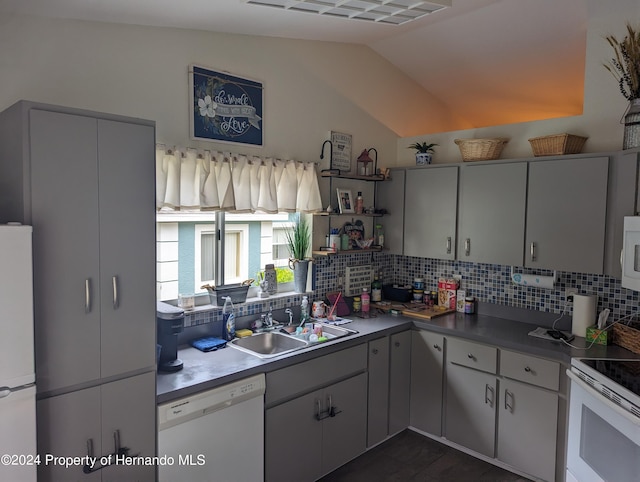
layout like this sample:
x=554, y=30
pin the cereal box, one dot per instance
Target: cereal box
x=447, y=292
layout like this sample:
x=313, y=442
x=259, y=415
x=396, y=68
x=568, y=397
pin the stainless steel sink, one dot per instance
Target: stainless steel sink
x=268, y=344
x=331, y=332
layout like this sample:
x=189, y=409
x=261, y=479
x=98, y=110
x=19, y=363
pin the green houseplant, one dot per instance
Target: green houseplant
x=625, y=68
x=298, y=242
x=424, y=152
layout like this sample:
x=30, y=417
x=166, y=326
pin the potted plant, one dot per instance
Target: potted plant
x=298, y=242
x=424, y=152
x=625, y=68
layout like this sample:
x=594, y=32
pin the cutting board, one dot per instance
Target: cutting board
x=417, y=311
x=426, y=313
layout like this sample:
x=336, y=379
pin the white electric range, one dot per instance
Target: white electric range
x=604, y=420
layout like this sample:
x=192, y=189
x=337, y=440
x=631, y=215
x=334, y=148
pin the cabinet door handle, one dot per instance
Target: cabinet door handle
x=532, y=251
x=116, y=299
x=507, y=405
x=488, y=389
x=318, y=410
x=448, y=244
x=374, y=351
x=470, y=356
x=437, y=347
x=396, y=344
x=467, y=246
x=87, y=295
x=527, y=369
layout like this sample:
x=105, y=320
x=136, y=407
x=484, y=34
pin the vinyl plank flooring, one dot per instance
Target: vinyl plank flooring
x=409, y=456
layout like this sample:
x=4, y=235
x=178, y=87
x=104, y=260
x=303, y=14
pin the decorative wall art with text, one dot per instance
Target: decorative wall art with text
x=225, y=108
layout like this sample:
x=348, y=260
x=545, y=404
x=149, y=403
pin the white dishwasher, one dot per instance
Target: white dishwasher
x=216, y=435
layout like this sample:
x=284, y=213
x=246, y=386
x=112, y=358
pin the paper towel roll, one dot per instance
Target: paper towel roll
x=584, y=314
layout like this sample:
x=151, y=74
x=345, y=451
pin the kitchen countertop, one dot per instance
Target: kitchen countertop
x=204, y=371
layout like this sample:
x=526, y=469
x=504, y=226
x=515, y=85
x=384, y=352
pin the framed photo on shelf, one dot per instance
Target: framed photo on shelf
x=345, y=201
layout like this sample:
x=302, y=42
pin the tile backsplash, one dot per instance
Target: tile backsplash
x=489, y=283
x=486, y=282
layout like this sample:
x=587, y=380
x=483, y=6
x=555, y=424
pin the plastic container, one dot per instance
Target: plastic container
x=228, y=320
x=357, y=304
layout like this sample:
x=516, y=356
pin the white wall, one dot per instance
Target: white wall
x=310, y=87
x=603, y=104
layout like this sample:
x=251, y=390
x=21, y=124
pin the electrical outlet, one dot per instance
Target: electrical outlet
x=570, y=292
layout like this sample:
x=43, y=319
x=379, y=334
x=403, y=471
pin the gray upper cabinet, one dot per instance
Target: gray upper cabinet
x=390, y=195
x=430, y=212
x=85, y=183
x=566, y=214
x=492, y=213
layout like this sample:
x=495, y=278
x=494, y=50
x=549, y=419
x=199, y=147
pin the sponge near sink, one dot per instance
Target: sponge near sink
x=243, y=333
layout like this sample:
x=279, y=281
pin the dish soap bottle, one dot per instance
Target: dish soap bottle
x=359, y=203
x=304, y=310
x=228, y=320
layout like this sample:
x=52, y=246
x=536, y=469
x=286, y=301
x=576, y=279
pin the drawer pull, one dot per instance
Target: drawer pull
x=437, y=347
x=470, y=356
x=527, y=369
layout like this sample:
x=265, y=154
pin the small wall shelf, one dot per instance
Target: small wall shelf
x=356, y=177
x=346, y=251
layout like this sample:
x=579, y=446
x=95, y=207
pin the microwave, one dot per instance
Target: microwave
x=630, y=256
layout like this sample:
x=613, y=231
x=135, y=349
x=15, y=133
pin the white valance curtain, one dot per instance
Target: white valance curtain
x=189, y=179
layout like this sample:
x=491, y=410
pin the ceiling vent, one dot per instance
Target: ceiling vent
x=391, y=12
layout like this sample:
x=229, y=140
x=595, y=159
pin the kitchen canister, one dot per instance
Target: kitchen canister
x=418, y=284
x=584, y=314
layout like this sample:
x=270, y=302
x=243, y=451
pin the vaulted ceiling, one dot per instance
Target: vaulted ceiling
x=490, y=62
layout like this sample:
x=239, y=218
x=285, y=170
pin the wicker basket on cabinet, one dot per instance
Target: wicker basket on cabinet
x=557, y=144
x=481, y=149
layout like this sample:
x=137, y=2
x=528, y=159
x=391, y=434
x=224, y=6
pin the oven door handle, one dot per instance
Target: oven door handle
x=602, y=399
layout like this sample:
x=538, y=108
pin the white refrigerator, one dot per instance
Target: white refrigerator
x=17, y=374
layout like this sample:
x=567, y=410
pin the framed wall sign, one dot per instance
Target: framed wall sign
x=225, y=108
x=341, y=151
x=345, y=201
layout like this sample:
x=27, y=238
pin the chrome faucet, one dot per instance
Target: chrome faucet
x=269, y=318
x=290, y=313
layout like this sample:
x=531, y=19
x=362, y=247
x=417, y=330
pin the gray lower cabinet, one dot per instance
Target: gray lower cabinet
x=505, y=405
x=470, y=418
x=566, y=214
x=316, y=415
x=527, y=425
x=430, y=212
x=399, y=381
x=427, y=374
x=491, y=215
x=316, y=433
x=390, y=195
x=85, y=422
x=378, y=391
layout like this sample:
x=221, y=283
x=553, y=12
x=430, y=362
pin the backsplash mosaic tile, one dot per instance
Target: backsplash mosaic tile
x=487, y=282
